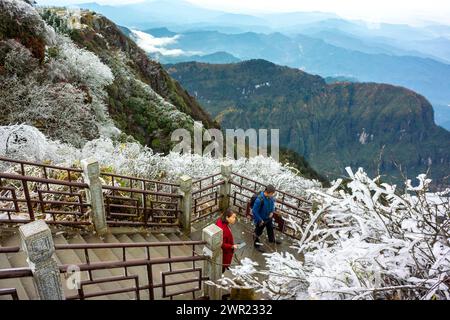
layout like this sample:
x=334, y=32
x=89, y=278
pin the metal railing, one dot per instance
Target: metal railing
x=242, y=189
x=31, y=191
x=9, y=292
x=141, y=206
x=27, y=198
x=58, y=195
x=206, y=197
x=166, y=264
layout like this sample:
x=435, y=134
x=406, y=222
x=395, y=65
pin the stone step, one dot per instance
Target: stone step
x=180, y=251
x=163, y=252
x=100, y=274
x=70, y=257
x=19, y=260
x=111, y=255
x=134, y=254
x=11, y=283
x=25, y=286
x=108, y=255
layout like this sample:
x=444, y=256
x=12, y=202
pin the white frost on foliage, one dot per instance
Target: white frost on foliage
x=134, y=159
x=22, y=11
x=28, y=143
x=84, y=65
x=368, y=243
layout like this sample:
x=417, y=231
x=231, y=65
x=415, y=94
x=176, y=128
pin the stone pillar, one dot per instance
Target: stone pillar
x=37, y=242
x=186, y=203
x=213, y=236
x=225, y=189
x=91, y=175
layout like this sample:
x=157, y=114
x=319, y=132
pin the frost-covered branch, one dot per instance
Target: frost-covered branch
x=368, y=243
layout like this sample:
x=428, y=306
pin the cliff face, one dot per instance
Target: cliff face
x=75, y=75
x=105, y=39
x=376, y=126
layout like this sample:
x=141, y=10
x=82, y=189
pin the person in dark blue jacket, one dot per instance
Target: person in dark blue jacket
x=263, y=211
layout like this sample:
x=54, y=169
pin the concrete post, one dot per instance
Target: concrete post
x=213, y=236
x=91, y=175
x=225, y=189
x=186, y=203
x=37, y=242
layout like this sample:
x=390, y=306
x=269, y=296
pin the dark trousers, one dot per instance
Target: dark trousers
x=268, y=224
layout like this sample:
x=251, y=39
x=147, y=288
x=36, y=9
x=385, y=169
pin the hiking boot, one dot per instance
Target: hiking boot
x=260, y=249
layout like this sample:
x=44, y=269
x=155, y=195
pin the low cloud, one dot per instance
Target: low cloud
x=153, y=44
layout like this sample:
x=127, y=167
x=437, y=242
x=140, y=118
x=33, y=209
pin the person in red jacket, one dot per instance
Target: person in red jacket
x=227, y=218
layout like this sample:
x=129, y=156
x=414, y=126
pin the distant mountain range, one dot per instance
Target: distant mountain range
x=376, y=126
x=426, y=76
x=181, y=16
x=417, y=58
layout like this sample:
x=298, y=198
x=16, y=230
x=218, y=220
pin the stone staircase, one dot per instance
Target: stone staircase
x=25, y=286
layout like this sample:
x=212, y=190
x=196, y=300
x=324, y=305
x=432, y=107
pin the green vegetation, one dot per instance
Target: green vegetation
x=134, y=108
x=374, y=126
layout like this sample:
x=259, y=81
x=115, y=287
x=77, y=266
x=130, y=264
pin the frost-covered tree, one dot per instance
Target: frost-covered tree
x=370, y=242
x=48, y=81
x=58, y=109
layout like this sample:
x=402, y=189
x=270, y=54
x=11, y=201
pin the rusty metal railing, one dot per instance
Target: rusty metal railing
x=141, y=207
x=136, y=201
x=242, y=189
x=30, y=191
x=9, y=292
x=40, y=170
x=27, y=198
x=206, y=197
x=168, y=266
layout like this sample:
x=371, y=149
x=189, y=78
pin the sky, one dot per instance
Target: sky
x=394, y=11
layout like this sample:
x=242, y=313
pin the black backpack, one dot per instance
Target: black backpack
x=251, y=203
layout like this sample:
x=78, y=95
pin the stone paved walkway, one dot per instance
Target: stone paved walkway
x=243, y=231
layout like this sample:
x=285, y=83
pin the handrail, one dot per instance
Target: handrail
x=39, y=164
x=206, y=178
x=219, y=183
x=157, y=193
x=126, y=245
x=15, y=273
x=130, y=263
x=12, y=176
x=283, y=192
x=9, y=249
x=9, y=292
x=139, y=179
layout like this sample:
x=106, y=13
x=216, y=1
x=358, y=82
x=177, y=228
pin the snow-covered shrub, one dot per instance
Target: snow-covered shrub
x=28, y=143
x=131, y=158
x=62, y=93
x=32, y=26
x=17, y=59
x=58, y=109
x=83, y=66
x=368, y=243
x=84, y=69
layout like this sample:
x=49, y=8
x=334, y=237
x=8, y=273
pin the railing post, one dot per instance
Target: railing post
x=225, y=189
x=91, y=175
x=37, y=242
x=186, y=203
x=213, y=236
